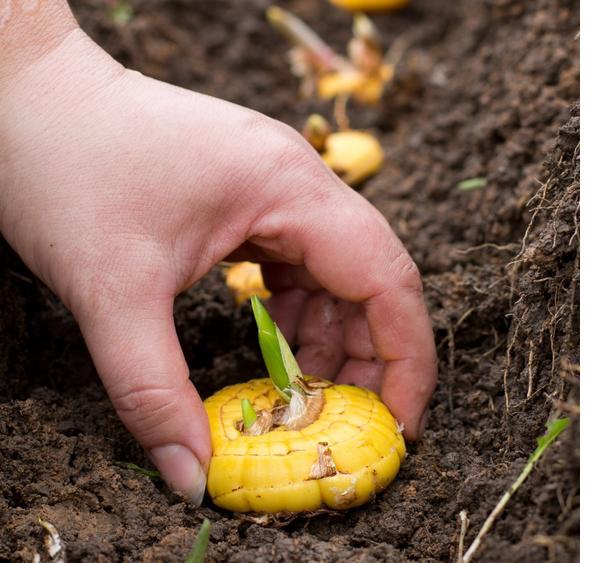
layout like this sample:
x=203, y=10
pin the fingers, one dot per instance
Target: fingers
x=286, y=309
x=357, y=338
x=350, y=250
x=279, y=277
x=320, y=336
x=364, y=373
x=290, y=286
x=138, y=356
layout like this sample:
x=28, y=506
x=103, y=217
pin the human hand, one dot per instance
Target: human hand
x=120, y=192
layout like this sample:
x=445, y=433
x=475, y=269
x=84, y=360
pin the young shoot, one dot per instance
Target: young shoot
x=277, y=355
x=555, y=429
x=248, y=414
x=151, y=473
x=120, y=11
x=472, y=184
x=198, y=553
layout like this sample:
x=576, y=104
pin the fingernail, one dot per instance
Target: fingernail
x=423, y=423
x=181, y=470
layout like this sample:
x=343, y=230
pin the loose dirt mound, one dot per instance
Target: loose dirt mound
x=485, y=89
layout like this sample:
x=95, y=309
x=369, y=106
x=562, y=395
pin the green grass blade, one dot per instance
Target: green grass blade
x=152, y=474
x=472, y=184
x=555, y=429
x=270, y=348
x=198, y=552
x=121, y=13
x=248, y=414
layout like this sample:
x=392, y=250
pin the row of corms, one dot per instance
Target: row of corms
x=362, y=75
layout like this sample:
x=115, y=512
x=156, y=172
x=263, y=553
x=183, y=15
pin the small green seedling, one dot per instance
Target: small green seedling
x=198, y=553
x=555, y=429
x=121, y=12
x=152, y=474
x=472, y=184
x=249, y=415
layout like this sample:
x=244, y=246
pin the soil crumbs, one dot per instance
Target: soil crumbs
x=485, y=89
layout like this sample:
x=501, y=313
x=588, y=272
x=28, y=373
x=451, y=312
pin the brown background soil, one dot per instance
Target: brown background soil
x=485, y=88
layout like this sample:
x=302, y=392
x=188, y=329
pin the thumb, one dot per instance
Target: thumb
x=138, y=356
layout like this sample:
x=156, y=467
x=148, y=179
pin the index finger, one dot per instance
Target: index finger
x=350, y=249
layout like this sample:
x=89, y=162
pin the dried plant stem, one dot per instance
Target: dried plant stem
x=494, y=514
x=299, y=34
x=464, y=524
x=554, y=430
x=507, y=367
x=339, y=112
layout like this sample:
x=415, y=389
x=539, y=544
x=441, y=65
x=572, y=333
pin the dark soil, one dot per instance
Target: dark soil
x=484, y=89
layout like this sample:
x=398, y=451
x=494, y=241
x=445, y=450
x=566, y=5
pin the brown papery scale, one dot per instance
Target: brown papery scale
x=303, y=409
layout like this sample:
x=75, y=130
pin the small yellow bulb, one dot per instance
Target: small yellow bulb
x=245, y=279
x=316, y=130
x=366, y=88
x=354, y=155
x=369, y=5
x=352, y=450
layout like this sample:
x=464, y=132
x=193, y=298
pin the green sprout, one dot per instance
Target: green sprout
x=121, y=12
x=198, y=553
x=277, y=355
x=151, y=473
x=248, y=414
x=555, y=429
x=472, y=184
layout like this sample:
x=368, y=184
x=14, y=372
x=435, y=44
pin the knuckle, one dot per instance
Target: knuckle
x=293, y=159
x=289, y=150
x=405, y=270
x=285, y=166
x=146, y=407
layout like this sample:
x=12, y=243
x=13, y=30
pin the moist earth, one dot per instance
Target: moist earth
x=484, y=89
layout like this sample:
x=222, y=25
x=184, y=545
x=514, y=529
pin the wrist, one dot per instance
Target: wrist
x=44, y=105
x=47, y=65
x=45, y=94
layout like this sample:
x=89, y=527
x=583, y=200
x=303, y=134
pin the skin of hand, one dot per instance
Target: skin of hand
x=120, y=191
